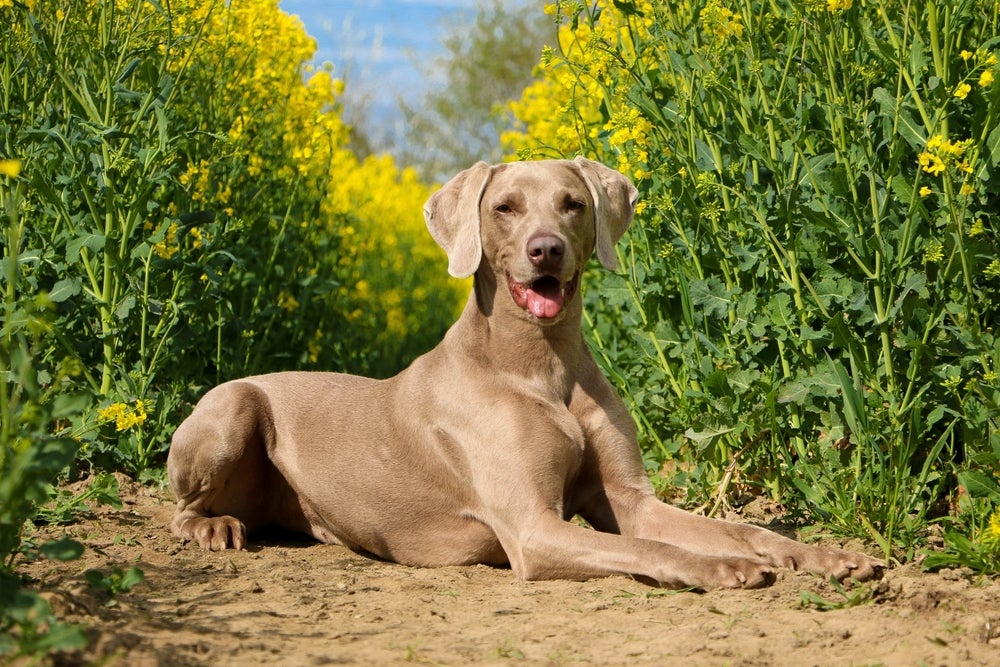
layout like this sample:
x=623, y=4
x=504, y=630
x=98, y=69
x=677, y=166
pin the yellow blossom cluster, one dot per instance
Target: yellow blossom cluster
x=940, y=153
x=720, y=22
x=284, y=154
x=933, y=251
x=628, y=136
x=169, y=246
x=838, y=5
x=125, y=417
x=562, y=105
x=982, y=69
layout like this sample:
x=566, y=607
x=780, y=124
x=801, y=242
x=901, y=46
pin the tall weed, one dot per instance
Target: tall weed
x=179, y=208
x=812, y=287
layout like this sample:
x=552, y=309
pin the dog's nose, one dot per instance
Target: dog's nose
x=546, y=250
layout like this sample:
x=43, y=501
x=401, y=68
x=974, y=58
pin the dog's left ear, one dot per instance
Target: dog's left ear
x=614, y=202
x=452, y=217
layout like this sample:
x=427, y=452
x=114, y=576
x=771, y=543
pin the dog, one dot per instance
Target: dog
x=485, y=448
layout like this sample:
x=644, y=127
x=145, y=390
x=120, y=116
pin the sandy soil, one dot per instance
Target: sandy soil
x=301, y=603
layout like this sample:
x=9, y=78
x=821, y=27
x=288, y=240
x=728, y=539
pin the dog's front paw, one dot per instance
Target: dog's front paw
x=836, y=563
x=732, y=573
x=216, y=533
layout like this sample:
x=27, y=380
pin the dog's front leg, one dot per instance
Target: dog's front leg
x=658, y=521
x=551, y=548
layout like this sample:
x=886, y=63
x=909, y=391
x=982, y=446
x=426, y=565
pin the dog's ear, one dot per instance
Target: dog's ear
x=614, y=202
x=452, y=216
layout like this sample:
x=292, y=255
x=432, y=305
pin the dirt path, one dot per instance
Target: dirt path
x=290, y=603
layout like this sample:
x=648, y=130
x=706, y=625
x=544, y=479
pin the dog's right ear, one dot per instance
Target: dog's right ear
x=452, y=216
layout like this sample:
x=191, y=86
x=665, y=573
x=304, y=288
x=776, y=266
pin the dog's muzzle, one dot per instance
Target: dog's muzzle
x=543, y=297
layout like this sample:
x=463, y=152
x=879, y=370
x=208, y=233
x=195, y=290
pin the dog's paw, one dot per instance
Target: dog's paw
x=836, y=563
x=216, y=533
x=733, y=573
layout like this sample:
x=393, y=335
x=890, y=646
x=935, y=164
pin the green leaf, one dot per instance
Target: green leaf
x=711, y=296
x=65, y=289
x=91, y=241
x=64, y=549
x=992, y=150
x=907, y=127
x=979, y=485
x=854, y=402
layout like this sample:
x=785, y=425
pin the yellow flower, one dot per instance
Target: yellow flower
x=198, y=237
x=168, y=247
x=287, y=302
x=931, y=163
x=965, y=55
x=838, y=5
x=977, y=228
x=967, y=189
x=933, y=251
x=123, y=417
x=112, y=412
x=952, y=382
x=924, y=191
x=962, y=90
x=993, y=270
x=11, y=168
x=986, y=78
x=991, y=534
x=720, y=21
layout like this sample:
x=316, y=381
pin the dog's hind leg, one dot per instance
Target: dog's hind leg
x=219, y=470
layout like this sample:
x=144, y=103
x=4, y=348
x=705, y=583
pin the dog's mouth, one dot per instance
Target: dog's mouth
x=543, y=297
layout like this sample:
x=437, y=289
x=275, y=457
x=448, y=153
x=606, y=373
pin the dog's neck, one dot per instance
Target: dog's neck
x=504, y=338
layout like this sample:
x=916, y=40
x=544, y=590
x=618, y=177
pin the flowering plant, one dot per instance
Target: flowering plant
x=812, y=283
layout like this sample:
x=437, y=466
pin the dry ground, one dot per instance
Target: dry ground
x=301, y=603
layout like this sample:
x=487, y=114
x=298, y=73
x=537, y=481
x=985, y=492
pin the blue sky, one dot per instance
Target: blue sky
x=384, y=49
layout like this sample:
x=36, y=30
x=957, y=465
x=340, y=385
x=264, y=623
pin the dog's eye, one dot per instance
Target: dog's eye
x=575, y=205
x=503, y=209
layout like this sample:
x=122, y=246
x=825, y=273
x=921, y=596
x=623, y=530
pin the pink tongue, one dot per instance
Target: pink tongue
x=546, y=301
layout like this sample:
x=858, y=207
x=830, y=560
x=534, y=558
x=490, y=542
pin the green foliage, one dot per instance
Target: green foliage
x=27, y=625
x=972, y=538
x=64, y=506
x=114, y=583
x=179, y=209
x=845, y=598
x=30, y=456
x=812, y=286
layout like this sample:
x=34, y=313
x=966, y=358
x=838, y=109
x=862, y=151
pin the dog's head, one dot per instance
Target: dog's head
x=532, y=226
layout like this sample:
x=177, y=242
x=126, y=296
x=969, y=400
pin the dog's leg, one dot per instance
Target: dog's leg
x=555, y=549
x=655, y=520
x=218, y=467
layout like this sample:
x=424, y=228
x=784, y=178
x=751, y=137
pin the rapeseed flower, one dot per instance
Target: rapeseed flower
x=991, y=534
x=838, y=5
x=168, y=247
x=941, y=153
x=123, y=416
x=962, y=90
x=721, y=22
x=986, y=78
x=10, y=168
x=933, y=251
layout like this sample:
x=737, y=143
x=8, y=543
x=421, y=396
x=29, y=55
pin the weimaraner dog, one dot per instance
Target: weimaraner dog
x=486, y=446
